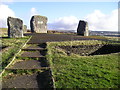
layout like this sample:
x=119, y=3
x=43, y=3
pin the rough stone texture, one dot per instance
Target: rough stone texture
x=15, y=27
x=38, y=24
x=82, y=28
x=24, y=28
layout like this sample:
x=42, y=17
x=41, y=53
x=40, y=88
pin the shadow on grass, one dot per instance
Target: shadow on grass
x=4, y=37
x=107, y=49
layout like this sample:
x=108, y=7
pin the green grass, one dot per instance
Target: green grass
x=20, y=72
x=14, y=45
x=100, y=71
x=76, y=43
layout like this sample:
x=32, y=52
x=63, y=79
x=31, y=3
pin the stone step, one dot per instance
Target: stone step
x=40, y=68
x=35, y=54
x=29, y=64
x=34, y=80
x=33, y=48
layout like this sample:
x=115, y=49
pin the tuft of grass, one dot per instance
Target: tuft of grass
x=100, y=71
x=20, y=72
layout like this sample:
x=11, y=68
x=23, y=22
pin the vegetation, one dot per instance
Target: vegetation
x=20, y=72
x=74, y=71
x=13, y=45
x=3, y=32
x=100, y=71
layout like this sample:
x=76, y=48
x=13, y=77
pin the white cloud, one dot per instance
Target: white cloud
x=64, y=23
x=99, y=21
x=33, y=11
x=5, y=11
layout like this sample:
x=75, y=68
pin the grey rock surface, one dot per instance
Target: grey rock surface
x=24, y=28
x=15, y=27
x=83, y=28
x=38, y=24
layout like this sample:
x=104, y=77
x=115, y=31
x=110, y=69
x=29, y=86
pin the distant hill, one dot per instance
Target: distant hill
x=105, y=33
x=96, y=33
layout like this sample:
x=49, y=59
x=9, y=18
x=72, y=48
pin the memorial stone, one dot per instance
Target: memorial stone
x=38, y=24
x=82, y=28
x=15, y=27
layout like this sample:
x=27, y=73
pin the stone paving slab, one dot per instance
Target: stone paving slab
x=33, y=48
x=29, y=64
x=21, y=81
x=36, y=80
x=35, y=54
x=43, y=38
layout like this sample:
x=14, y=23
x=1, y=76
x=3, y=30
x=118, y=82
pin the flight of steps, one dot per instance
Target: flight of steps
x=31, y=59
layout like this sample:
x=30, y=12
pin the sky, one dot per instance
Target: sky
x=101, y=16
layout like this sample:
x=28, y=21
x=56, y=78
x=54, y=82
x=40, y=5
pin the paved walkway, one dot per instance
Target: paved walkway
x=43, y=38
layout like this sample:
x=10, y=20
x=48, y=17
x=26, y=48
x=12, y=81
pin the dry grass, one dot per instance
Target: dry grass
x=3, y=32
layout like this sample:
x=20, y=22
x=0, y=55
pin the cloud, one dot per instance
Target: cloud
x=7, y=2
x=64, y=23
x=99, y=21
x=5, y=11
x=33, y=11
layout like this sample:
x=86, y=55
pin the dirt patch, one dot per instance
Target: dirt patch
x=86, y=50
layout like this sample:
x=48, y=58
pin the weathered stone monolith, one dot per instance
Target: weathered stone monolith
x=24, y=28
x=82, y=28
x=38, y=24
x=15, y=27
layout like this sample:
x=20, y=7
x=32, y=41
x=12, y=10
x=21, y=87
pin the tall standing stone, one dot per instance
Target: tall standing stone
x=24, y=28
x=38, y=24
x=15, y=27
x=82, y=28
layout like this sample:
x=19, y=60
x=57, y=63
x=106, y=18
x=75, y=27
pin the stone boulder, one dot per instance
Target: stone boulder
x=15, y=27
x=38, y=24
x=83, y=28
x=24, y=28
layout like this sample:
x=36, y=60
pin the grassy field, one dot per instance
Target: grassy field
x=100, y=71
x=74, y=71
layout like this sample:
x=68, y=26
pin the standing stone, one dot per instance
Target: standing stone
x=82, y=28
x=24, y=28
x=15, y=27
x=38, y=24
